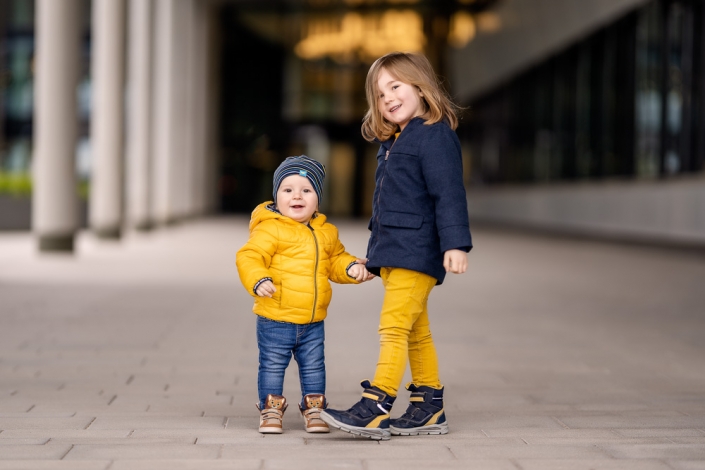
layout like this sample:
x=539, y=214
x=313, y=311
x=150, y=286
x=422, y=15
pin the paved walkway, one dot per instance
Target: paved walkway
x=555, y=354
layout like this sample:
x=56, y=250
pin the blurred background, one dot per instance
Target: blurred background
x=584, y=117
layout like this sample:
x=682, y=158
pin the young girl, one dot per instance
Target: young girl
x=420, y=232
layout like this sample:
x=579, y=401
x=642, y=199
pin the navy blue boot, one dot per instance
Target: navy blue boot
x=424, y=415
x=367, y=418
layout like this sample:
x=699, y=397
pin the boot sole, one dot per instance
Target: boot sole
x=318, y=429
x=434, y=429
x=271, y=430
x=377, y=434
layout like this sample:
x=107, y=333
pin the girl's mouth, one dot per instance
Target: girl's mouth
x=297, y=207
x=394, y=108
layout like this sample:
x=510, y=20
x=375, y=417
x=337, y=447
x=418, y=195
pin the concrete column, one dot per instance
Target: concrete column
x=164, y=145
x=107, y=116
x=198, y=68
x=139, y=122
x=55, y=200
x=183, y=112
x=212, y=85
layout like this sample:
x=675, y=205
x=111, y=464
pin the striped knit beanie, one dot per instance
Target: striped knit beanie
x=302, y=166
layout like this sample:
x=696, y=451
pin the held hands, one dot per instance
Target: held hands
x=455, y=261
x=359, y=271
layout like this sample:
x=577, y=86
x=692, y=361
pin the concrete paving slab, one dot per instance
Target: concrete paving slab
x=193, y=464
x=31, y=422
x=636, y=464
x=267, y=441
x=472, y=464
x=686, y=464
x=555, y=433
x=139, y=452
x=54, y=465
x=4, y=441
x=34, y=452
x=659, y=432
x=526, y=451
x=48, y=433
x=657, y=451
x=645, y=421
x=123, y=441
x=39, y=414
x=158, y=422
x=313, y=464
x=350, y=449
x=246, y=435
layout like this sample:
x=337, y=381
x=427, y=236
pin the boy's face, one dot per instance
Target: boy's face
x=297, y=199
x=398, y=102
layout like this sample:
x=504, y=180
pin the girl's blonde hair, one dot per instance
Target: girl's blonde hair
x=416, y=70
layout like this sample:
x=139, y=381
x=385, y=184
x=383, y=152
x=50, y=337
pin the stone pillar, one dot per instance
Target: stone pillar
x=164, y=147
x=55, y=198
x=107, y=116
x=182, y=114
x=212, y=59
x=197, y=105
x=139, y=122
x=202, y=185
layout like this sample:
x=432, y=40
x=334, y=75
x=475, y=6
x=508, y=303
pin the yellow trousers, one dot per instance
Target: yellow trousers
x=405, y=331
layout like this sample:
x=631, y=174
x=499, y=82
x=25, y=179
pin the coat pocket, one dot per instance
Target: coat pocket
x=401, y=219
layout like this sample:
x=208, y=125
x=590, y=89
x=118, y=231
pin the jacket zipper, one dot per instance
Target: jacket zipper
x=381, y=180
x=315, y=275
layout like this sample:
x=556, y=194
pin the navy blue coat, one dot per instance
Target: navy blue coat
x=419, y=207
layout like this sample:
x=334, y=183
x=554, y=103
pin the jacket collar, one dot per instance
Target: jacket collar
x=414, y=122
x=317, y=220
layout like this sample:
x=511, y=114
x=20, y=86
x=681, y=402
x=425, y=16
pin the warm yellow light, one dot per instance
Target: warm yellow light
x=369, y=35
x=488, y=22
x=462, y=29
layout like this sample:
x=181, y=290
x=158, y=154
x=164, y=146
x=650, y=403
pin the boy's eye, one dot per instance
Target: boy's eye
x=306, y=190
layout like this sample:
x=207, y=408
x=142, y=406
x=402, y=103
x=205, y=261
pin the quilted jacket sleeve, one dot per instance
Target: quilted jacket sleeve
x=255, y=257
x=340, y=260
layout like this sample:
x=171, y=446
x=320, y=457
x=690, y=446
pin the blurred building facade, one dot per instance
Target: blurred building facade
x=588, y=118
x=581, y=116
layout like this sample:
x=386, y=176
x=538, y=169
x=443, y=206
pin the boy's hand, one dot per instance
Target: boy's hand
x=455, y=261
x=359, y=271
x=266, y=289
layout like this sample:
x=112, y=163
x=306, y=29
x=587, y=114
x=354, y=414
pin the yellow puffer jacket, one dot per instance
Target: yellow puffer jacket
x=299, y=258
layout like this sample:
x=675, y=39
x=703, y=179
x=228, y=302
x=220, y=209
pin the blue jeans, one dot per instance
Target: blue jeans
x=276, y=342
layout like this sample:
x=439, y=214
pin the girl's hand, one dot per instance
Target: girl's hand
x=266, y=289
x=455, y=261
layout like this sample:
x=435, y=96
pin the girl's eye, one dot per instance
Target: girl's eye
x=395, y=87
x=307, y=190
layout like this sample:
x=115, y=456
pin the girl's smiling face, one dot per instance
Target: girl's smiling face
x=297, y=199
x=398, y=102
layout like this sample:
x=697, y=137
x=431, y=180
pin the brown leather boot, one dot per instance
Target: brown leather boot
x=314, y=403
x=271, y=417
